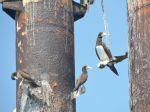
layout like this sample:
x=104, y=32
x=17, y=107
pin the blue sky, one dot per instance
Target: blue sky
x=105, y=91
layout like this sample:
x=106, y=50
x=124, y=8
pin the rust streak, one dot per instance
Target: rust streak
x=23, y=34
x=20, y=61
x=19, y=44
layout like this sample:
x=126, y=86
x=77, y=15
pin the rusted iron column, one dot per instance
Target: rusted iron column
x=139, y=54
x=45, y=49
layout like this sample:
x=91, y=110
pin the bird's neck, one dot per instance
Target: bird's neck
x=84, y=72
x=99, y=41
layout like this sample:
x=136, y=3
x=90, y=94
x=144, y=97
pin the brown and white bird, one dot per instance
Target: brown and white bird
x=104, y=54
x=23, y=77
x=82, y=78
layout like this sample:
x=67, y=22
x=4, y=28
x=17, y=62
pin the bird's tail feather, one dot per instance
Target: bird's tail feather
x=113, y=69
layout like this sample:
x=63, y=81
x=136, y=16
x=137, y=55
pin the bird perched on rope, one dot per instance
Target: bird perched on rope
x=23, y=77
x=82, y=78
x=104, y=54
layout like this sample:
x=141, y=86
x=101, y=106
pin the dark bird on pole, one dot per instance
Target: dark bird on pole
x=23, y=77
x=104, y=54
x=82, y=78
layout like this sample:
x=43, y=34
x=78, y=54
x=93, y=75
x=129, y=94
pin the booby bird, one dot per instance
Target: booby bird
x=82, y=78
x=23, y=77
x=104, y=54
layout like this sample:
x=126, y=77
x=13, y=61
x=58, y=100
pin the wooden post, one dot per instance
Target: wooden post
x=139, y=54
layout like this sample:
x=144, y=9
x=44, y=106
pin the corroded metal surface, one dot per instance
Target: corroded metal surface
x=11, y=6
x=45, y=49
x=2, y=1
x=139, y=55
x=15, y=6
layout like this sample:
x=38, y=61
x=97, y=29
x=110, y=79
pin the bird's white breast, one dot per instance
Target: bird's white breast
x=101, y=53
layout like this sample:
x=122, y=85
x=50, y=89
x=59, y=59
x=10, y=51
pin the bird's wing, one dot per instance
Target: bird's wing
x=91, y=1
x=112, y=67
x=107, y=50
x=77, y=84
x=76, y=81
x=97, y=53
x=120, y=58
x=25, y=75
x=80, y=80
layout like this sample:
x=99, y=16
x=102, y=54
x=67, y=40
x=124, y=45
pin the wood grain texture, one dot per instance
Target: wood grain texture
x=139, y=54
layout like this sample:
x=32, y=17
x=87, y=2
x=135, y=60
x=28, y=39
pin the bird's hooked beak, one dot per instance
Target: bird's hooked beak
x=88, y=67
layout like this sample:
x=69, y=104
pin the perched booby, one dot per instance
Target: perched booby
x=104, y=54
x=82, y=78
x=23, y=76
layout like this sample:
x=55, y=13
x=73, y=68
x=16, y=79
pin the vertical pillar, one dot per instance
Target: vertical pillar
x=139, y=54
x=45, y=49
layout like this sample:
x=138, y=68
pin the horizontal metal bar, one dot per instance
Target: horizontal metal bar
x=16, y=5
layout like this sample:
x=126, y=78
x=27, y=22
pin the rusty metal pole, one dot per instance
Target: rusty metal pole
x=45, y=50
x=139, y=54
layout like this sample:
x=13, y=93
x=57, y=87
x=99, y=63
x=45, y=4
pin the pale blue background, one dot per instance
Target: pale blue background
x=105, y=91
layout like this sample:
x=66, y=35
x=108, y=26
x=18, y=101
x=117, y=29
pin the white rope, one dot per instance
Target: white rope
x=105, y=23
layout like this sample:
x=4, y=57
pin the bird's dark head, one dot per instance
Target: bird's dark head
x=101, y=66
x=85, y=68
x=14, y=76
x=101, y=34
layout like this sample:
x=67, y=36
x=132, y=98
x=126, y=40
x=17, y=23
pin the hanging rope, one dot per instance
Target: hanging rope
x=105, y=23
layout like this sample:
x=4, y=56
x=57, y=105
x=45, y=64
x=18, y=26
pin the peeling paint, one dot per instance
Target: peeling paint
x=24, y=97
x=20, y=61
x=23, y=34
x=19, y=44
x=43, y=92
x=25, y=2
x=54, y=84
x=18, y=27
